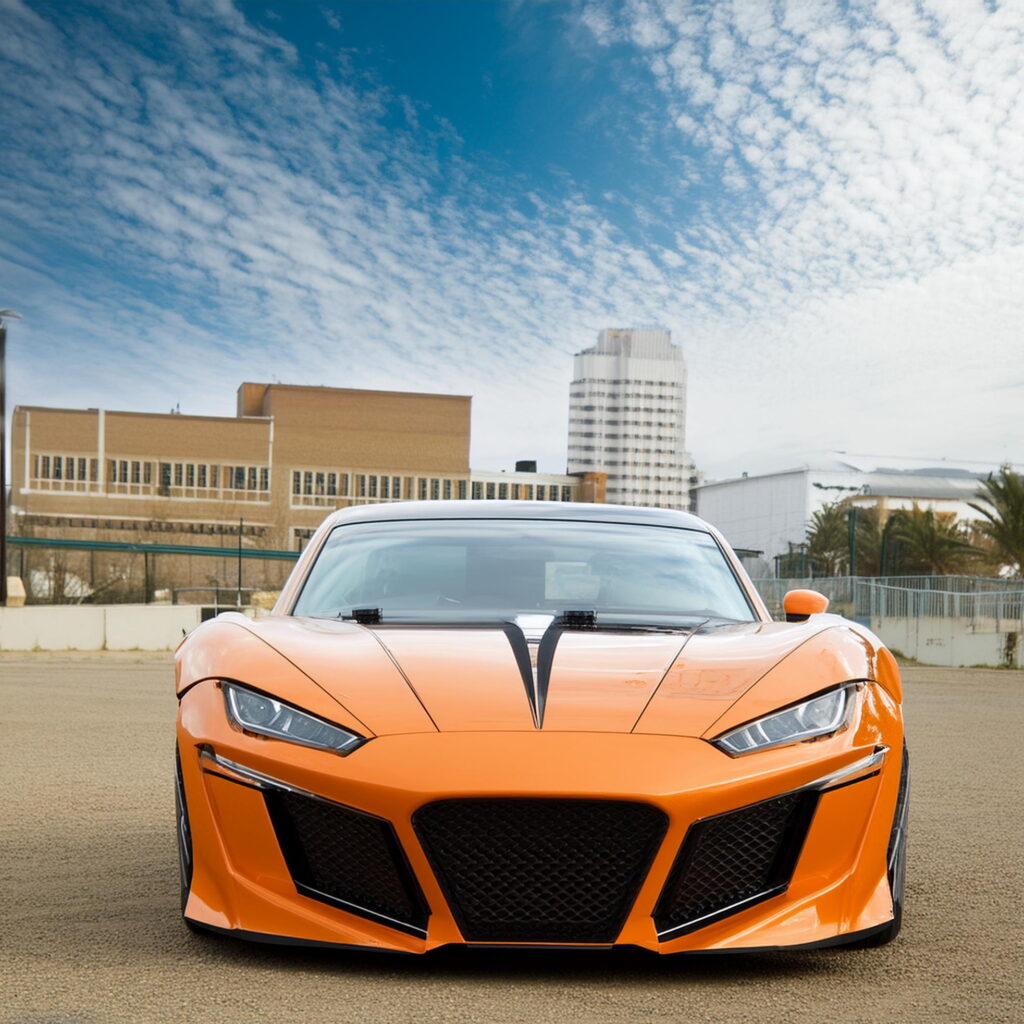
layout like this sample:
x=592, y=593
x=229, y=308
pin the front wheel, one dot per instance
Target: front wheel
x=897, y=863
x=184, y=837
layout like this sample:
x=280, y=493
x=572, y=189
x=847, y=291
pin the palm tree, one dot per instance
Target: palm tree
x=827, y=539
x=1003, y=516
x=931, y=542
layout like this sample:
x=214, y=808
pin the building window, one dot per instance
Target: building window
x=301, y=536
x=529, y=492
x=478, y=490
x=566, y=493
x=178, y=474
x=423, y=489
x=252, y=478
x=396, y=487
x=264, y=478
x=503, y=492
x=490, y=491
x=190, y=474
x=165, y=474
x=147, y=472
x=373, y=486
x=447, y=490
x=344, y=484
x=462, y=490
x=385, y=487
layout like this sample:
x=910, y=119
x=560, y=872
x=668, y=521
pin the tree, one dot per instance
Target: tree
x=827, y=539
x=869, y=540
x=1003, y=516
x=933, y=543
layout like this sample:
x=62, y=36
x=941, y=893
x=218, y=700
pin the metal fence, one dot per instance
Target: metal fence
x=109, y=572
x=979, y=599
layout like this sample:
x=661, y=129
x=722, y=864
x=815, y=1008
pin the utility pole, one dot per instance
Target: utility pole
x=851, y=522
x=5, y=315
x=238, y=601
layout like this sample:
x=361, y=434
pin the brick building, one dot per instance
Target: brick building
x=287, y=457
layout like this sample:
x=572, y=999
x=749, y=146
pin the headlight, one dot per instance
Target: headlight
x=256, y=712
x=819, y=716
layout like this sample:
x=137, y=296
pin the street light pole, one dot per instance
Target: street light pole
x=5, y=315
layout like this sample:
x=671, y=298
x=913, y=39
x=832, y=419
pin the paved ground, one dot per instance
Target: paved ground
x=91, y=933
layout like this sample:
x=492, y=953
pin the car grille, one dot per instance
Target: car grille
x=732, y=861
x=347, y=858
x=540, y=870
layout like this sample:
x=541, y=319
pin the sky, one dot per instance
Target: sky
x=824, y=202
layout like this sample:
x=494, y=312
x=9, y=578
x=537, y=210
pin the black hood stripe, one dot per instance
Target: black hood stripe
x=545, y=662
x=521, y=650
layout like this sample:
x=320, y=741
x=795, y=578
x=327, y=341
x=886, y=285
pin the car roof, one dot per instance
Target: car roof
x=574, y=510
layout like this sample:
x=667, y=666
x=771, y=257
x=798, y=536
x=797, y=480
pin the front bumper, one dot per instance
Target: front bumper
x=831, y=881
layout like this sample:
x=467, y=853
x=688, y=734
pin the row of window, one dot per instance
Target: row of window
x=309, y=487
x=645, y=452
x=65, y=467
x=146, y=525
x=668, y=409
x=627, y=380
x=197, y=475
x=322, y=487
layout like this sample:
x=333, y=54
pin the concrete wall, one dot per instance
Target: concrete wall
x=114, y=627
x=955, y=642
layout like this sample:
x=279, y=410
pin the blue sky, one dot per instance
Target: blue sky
x=823, y=201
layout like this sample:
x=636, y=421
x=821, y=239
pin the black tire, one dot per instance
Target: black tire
x=184, y=837
x=897, y=864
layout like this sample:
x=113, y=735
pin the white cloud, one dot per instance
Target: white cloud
x=850, y=273
x=885, y=142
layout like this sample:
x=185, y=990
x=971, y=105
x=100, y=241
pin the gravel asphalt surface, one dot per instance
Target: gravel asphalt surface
x=91, y=931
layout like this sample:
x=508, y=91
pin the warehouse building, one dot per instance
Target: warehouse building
x=770, y=512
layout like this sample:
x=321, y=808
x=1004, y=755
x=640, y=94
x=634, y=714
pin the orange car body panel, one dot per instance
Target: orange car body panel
x=628, y=717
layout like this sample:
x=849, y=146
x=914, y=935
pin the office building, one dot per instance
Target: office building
x=627, y=418
x=289, y=455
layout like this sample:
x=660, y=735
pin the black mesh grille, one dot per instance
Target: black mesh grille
x=540, y=870
x=346, y=857
x=739, y=857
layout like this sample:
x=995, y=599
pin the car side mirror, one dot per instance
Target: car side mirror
x=800, y=604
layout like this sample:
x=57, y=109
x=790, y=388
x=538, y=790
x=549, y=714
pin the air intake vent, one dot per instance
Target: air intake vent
x=540, y=870
x=347, y=858
x=732, y=861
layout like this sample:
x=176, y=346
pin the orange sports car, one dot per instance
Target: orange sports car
x=538, y=724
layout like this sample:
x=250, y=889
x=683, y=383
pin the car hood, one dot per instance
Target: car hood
x=399, y=679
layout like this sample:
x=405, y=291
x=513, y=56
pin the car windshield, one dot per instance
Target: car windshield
x=487, y=568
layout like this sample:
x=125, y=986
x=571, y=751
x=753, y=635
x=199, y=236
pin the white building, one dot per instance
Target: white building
x=627, y=417
x=770, y=511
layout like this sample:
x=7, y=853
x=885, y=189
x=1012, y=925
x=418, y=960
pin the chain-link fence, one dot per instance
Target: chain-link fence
x=979, y=599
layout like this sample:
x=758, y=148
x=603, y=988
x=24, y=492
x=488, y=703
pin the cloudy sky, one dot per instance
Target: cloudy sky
x=823, y=201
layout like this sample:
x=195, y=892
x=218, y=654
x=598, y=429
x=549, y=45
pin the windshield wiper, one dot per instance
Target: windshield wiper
x=364, y=616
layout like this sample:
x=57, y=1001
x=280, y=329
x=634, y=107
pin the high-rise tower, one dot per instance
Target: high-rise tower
x=627, y=417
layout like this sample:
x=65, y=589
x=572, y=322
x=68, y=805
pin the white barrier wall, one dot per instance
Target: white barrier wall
x=949, y=641
x=83, y=627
